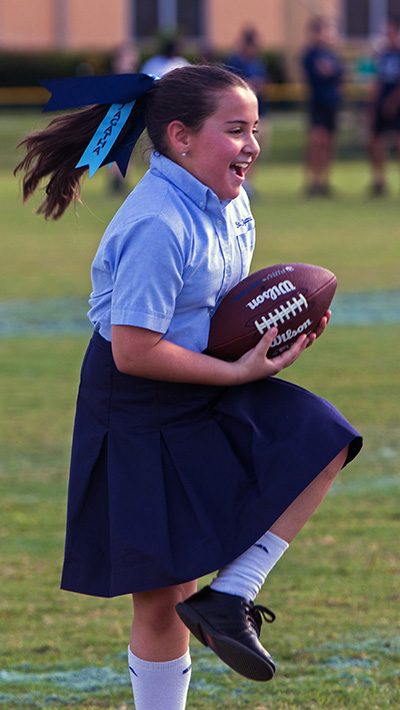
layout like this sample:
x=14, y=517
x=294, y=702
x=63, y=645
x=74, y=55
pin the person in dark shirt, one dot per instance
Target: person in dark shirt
x=384, y=105
x=247, y=62
x=324, y=73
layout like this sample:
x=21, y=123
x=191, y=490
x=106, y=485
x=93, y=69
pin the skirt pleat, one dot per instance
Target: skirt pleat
x=169, y=482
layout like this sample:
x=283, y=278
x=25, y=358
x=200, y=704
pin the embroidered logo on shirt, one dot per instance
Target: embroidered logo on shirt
x=243, y=222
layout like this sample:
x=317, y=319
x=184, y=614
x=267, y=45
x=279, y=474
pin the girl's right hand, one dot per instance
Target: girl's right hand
x=255, y=365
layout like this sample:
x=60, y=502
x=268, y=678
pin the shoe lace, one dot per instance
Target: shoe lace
x=256, y=613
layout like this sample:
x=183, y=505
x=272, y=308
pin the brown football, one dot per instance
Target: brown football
x=291, y=297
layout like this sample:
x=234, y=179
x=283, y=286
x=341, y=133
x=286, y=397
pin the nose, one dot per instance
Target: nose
x=252, y=146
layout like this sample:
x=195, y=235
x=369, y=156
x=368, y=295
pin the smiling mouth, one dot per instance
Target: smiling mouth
x=240, y=169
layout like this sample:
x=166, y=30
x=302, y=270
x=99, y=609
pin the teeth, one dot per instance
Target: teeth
x=241, y=165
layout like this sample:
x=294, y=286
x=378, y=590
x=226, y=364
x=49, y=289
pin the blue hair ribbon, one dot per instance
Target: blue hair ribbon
x=121, y=92
x=106, y=134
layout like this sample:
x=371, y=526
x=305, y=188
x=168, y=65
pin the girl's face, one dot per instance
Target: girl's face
x=220, y=154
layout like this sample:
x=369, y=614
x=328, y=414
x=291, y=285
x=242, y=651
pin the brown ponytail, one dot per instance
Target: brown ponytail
x=53, y=153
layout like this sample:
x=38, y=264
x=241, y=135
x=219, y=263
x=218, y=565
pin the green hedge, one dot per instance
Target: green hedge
x=26, y=69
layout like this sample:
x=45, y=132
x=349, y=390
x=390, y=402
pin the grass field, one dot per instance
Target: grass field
x=336, y=640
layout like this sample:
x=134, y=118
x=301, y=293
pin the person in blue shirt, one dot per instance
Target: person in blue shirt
x=324, y=74
x=384, y=105
x=182, y=463
x=168, y=59
x=246, y=61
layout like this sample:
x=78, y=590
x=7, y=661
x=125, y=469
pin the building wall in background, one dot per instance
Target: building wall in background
x=34, y=25
x=98, y=24
x=226, y=18
x=93, y=24
x=26, y=25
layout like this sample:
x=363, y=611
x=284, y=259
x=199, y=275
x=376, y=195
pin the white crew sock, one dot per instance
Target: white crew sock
x=245, y=576
x=160, y=685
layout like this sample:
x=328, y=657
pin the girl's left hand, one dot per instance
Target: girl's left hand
x=320, y=328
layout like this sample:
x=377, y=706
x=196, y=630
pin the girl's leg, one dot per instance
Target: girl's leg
x=296, y=515
x=246, y=575
x=159, y=659
x=237, y=585
x=157, y=632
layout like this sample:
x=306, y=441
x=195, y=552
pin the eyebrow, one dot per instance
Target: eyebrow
x=242, y=122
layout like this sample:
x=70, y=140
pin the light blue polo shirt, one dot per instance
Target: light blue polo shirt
x=169, y=255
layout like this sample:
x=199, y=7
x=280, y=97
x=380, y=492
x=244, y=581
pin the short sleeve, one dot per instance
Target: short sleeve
x=147, y=268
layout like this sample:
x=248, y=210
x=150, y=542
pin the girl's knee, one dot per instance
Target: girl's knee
x=158, y=606
x=333, y=468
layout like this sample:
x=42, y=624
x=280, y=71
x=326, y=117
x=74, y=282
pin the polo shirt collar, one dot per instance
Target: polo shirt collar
x=199, y=193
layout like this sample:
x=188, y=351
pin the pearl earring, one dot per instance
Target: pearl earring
x=183, y=155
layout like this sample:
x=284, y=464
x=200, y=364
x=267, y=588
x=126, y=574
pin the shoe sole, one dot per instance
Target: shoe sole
x=237, y=656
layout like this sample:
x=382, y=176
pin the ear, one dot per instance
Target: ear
x=178, y=137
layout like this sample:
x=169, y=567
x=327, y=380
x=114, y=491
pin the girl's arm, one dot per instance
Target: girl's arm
x=144, y=353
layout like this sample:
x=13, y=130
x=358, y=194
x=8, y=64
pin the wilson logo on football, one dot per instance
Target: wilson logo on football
x=271, y=294
x=290, y=334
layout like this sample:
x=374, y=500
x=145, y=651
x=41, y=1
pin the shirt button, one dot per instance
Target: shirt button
x=201, y=204
x=219, y=222
x=228, y=270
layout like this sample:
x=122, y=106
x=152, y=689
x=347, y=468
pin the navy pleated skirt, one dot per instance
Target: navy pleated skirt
x=169, y=482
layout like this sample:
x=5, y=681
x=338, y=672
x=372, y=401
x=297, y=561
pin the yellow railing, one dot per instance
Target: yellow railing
x=274, y=93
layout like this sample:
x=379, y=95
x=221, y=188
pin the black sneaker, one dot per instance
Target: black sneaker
x=326, y=190
x=231, y=627
x=312, y=190
x=319, y=190
x=378, y=189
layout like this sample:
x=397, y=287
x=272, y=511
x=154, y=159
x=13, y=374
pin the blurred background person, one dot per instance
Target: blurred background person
x=167, y=60
x=247, y=62
x=384, y=105
x=324, y=73
x=126, y=59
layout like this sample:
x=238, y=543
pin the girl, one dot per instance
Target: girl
x=181, y=463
